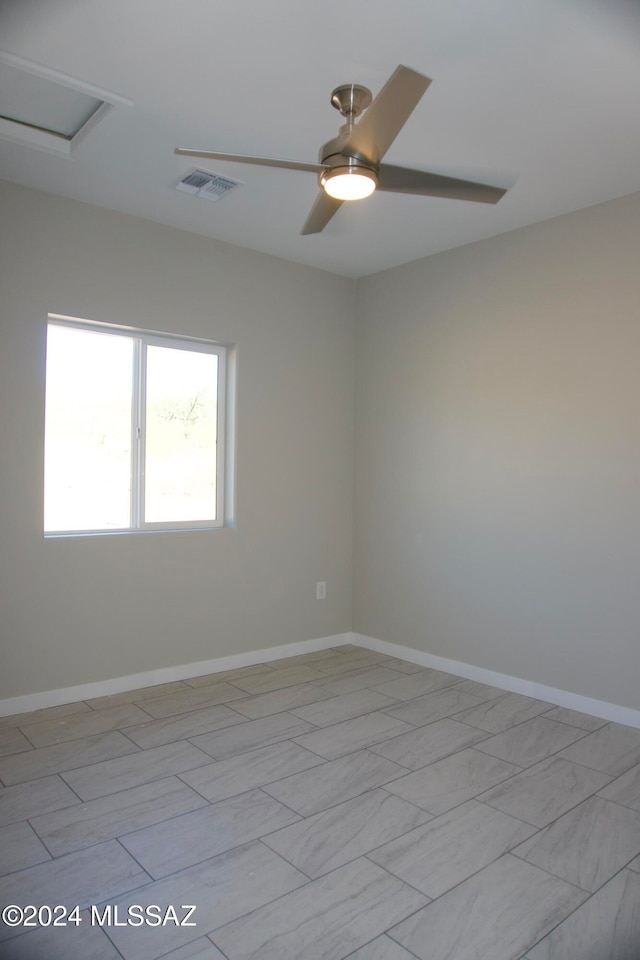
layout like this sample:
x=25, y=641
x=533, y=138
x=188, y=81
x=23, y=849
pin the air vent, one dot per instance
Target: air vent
x=211, y=186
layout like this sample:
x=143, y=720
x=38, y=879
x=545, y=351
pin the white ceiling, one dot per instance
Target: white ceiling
x=542, y=96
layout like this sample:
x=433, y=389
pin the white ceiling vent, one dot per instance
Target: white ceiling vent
x=211, y=186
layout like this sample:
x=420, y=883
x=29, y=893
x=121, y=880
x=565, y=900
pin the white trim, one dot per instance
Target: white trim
x=560, y=698
x=229, y=479
x=150, y=678
x=43, y=139
x=32, y=137
x=467, y=671
x=97, y=117
x=46, y=73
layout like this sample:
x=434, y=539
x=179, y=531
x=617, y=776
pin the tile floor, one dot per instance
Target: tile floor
x=340, y=804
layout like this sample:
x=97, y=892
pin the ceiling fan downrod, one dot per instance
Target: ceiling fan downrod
x=351, y=99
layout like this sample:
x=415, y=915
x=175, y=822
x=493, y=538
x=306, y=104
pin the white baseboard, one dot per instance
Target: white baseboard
x=151, y=678
x=560, y=698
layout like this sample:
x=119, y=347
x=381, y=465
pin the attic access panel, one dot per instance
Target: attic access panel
x=43, y=104
x=42, y=108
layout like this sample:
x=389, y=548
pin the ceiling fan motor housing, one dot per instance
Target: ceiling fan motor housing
x=338, y=163
x=337, y=153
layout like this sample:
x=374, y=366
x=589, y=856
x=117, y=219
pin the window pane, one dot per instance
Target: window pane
x=87, y=430
x=181, y=430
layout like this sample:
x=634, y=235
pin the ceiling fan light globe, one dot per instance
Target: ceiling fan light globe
x=349, y=184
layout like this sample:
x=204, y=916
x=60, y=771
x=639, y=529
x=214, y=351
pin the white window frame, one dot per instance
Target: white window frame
x=141, y=340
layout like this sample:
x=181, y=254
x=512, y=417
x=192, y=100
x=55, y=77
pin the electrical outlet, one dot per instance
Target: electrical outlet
x=321, y=590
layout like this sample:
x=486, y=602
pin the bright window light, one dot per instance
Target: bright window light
x=134, y=431
x=181, y=428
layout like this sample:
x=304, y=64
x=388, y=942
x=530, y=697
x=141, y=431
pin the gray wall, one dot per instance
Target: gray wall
x=496, y=501
x=87, y=609
x=497, y=439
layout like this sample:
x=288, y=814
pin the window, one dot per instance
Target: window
x=134, y=430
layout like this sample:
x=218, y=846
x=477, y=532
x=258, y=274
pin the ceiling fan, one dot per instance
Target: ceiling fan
x=349, y=166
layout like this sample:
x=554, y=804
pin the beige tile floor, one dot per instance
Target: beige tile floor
x=341, y=804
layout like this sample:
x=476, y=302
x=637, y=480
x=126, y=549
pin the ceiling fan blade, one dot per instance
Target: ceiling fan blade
x=403, y=180
x=320, y=213
x=380, y=125
x=260, y=161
